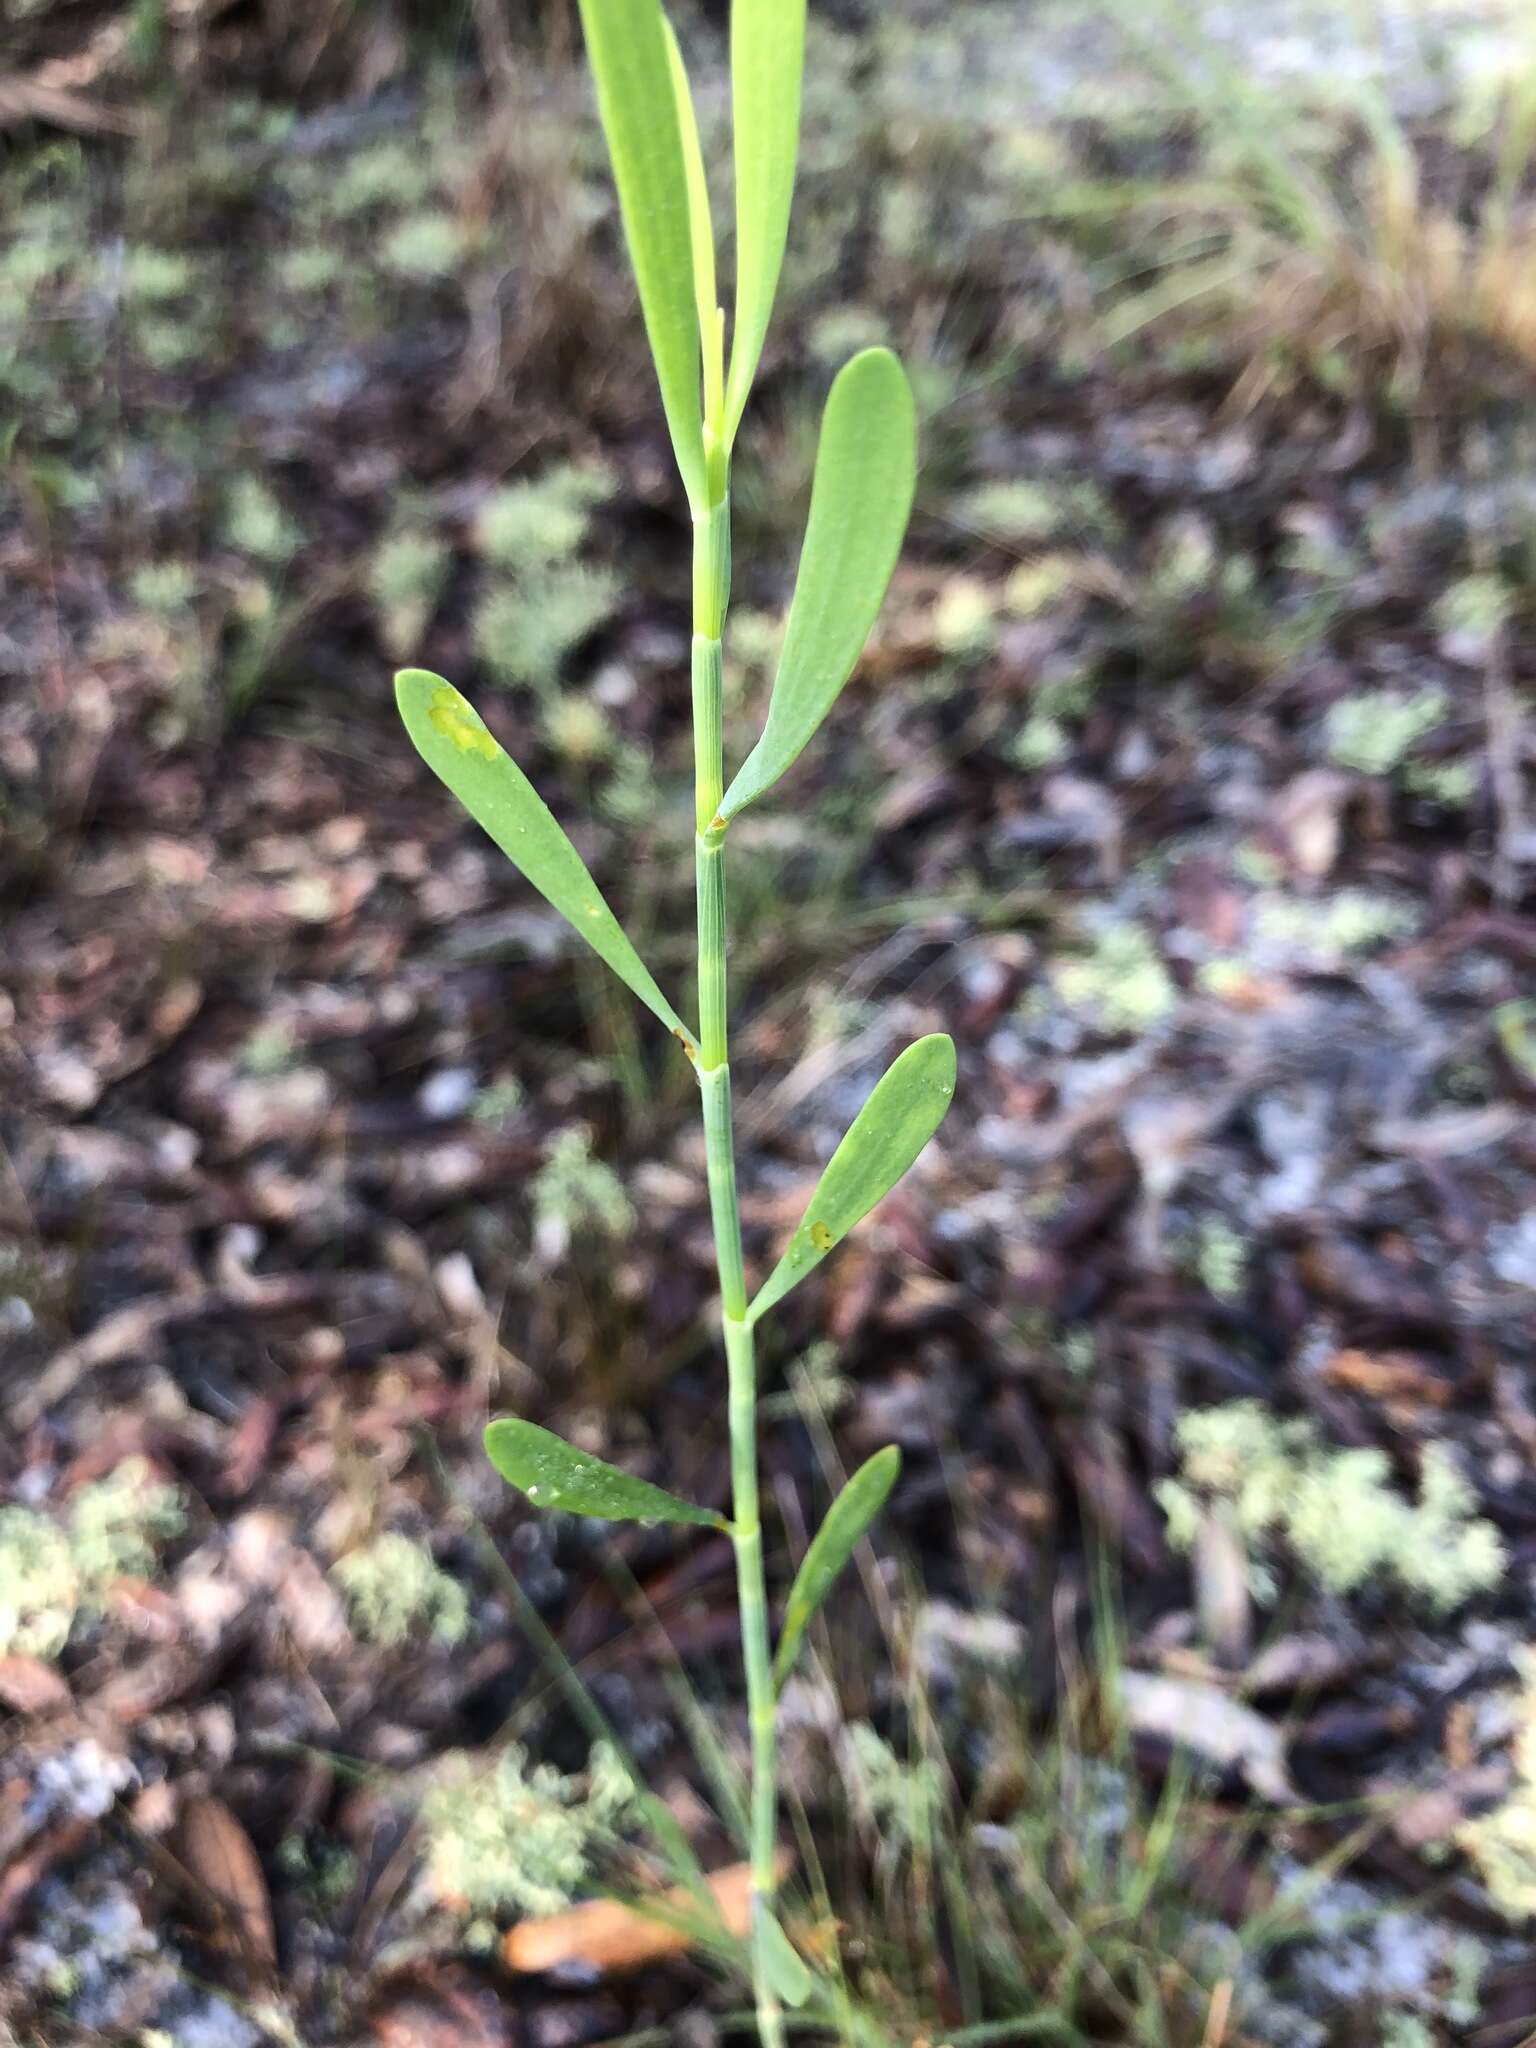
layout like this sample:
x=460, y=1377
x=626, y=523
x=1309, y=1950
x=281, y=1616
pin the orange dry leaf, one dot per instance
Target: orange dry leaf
x=607, y=1937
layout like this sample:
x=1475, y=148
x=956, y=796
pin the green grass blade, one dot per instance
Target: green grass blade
x=791, y=1979
x=833, y=1544
x=861, y=496
x=627, y=44
x=905, y=1108
x=554, y=1474
x=767, y=63
x=452, y=739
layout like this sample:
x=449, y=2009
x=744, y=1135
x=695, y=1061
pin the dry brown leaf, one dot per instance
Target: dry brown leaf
x=428, y=2008
x=606, y=1937
x=29, y=1686
x=1395, y=1378
x=215, y=1850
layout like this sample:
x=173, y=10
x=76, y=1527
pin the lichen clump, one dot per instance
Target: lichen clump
x=522, y=1838
x=1503, y=1843
x=1122, y=986
x=396, y=1590
x=1276, y=1482
x=53, y=1573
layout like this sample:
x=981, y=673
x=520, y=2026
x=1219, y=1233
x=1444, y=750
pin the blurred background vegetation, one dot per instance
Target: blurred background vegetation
x=1190, y=781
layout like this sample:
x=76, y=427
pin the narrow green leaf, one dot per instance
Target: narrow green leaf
x=627, y=44
x=702, y=232
x=905, y=1108
x=787, y=1973
x=451, y=737
x=767, y=62
x=861, y=496
x=834, y=1543
x=554, y=1474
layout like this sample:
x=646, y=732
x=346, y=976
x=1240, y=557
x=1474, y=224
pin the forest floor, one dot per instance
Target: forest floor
x=1189, y=782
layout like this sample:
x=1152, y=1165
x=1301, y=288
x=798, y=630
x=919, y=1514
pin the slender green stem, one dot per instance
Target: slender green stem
x=711, y=585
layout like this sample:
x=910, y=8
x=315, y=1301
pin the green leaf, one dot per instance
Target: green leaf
x=788, y=1975
x=451, y=737
x=834, y=1543
x=702, y=233
x=905, y=1108
x=627, y=45
x=554, y=1474
x=866, y=468
x=767, y=61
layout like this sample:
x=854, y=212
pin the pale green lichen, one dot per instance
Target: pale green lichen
x=39, y=1585
x=424, y=245
x=118, y=1525
x=1350, y=921
x=541, y=520
x=1122, y=985
x=574, y=1192
x=1017, y=510
x=965, y=617
x=257, y=525
x=1471, y=614
x=526, y=631
x=156, y=276
x=521, y=1837
x=405, y=581
x=1502, y=1844
x=1221, y=1258
x=1373, y=731
x=1035, y=586
x=166, y=588
x=578, y=729
x=1276, y=1483
x=903, y=1800
x=53, y=1574
x=396, y=1590
x=499, y=1101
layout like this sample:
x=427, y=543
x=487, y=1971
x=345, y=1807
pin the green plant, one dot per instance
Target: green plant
x=860, y=500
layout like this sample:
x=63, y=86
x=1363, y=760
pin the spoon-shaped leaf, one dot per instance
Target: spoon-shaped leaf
x=627, y=44
x=861, y=496
x=905, y=1108
x=452, y=739
x=790, y=1978
x=767, y=61
x=834, y=1543
x=554, y=1474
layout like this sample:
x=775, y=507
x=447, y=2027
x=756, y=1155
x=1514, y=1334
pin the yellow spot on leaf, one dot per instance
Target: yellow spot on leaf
x=460, y=724
x=821, y=1237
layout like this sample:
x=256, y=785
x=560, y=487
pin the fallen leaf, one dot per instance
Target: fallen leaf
x=29, y=1686
x=433, y=2009
x=1203, y=1721
x=605, y=1936
x=215, y=1850
x=1395, y=1378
